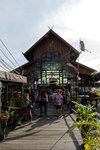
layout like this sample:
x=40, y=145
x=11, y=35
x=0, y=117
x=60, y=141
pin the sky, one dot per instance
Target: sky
x=23, y=22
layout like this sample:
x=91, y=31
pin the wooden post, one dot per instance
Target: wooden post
x=59, y=77
x=62, y=75
x=0, y=95
x=81, y=85
x=41, y=71
x=94, y=80
x=77, y=86
x=7, y=91
x=22, y=92
x=46, y=76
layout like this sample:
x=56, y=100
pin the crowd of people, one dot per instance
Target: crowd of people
x=34, y=99
x=61, y=100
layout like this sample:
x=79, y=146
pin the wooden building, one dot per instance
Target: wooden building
x=11, y=87
x=52, y=60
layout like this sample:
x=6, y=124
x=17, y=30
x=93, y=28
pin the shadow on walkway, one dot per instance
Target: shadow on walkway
x=45, y=126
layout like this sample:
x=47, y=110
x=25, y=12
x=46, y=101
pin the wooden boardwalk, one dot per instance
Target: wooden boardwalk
x=45, y=133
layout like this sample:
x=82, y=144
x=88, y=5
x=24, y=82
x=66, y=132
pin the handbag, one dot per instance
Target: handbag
x=30, y=106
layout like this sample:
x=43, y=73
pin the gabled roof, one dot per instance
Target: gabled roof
x=83, y=68
x=55, y=34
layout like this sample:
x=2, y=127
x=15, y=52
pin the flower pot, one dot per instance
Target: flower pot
x=3, y=118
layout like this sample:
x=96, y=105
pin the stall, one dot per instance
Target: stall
x=10, y=85
x=11, y=95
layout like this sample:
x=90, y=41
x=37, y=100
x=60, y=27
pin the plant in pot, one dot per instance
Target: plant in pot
x=92, y=141
x=83, y=113
x=5, y=115
x=88, y=125
x=91, y=135
x=3, y=123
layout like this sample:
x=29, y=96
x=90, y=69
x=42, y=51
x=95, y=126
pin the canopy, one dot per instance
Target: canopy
x=6, y=76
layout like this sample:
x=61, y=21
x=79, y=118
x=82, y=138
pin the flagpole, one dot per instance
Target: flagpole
x=78, y=75
x=82, y=48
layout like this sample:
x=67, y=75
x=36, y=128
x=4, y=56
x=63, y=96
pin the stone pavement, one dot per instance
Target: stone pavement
x=45, y=133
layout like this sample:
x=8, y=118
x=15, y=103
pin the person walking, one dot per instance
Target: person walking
x=43, y=99
x=58, y=100
x=26, y=111
x=53, y=96
x=32, y=98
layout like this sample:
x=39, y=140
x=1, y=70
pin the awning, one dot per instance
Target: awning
x=6, y=76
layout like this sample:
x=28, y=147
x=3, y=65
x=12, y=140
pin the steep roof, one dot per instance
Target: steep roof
x=55, y=34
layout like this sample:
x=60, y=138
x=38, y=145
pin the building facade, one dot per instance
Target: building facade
x=52, y=62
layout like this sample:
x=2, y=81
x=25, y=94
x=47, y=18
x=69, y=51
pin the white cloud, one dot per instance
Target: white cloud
x=23, y=23
x=73, y=22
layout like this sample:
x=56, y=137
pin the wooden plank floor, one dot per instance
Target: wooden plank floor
x=45, y=133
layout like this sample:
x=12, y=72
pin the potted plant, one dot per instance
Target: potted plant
x=92, y=141
x=83, y=113
x=4, y=117
x=91, y=135
x=4, y=123
x=89, y=127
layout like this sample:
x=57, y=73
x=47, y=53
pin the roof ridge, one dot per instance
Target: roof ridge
x=53, y=32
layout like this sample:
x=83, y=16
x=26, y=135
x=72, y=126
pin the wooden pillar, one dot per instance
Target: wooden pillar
x=22, y=92
x=67, y=79
x=41, y=71
x=59, y=77
x=84, y=86
x=0, y=95
x=94, y=80
x=81, y=86
x=46, y=76
x=7, y=92
x=77, y=86
x=62, y=75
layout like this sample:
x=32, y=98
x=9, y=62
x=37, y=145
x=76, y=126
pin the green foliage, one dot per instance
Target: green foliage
x=15, y=100
x=89, y=126
x=96, y=91
x=94, y=73
x=4, y=116
x=83, y=113
x=92, y=140
x=7, y=113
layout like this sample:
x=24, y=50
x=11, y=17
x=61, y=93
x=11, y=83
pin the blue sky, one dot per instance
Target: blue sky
x=23, y=22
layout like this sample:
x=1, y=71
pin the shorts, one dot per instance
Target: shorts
x=58, y=106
